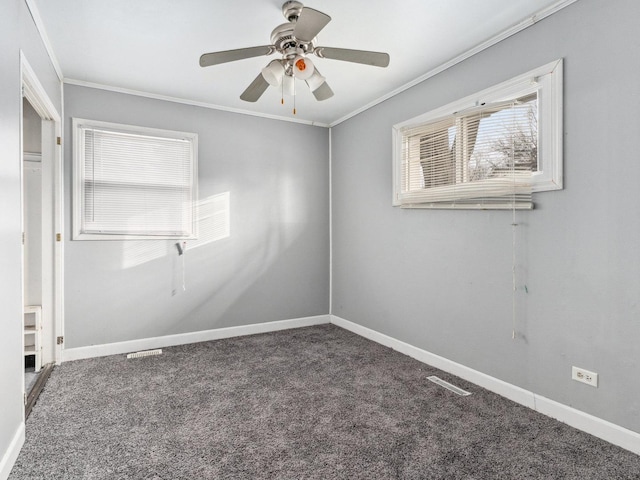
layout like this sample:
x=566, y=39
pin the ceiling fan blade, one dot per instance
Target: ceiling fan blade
x=255, y=90
x=309, y=24
x=377, y=59
x=216, y=58
x=323, y=92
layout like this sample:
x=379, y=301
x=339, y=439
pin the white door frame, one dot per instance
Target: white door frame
x=52, y=188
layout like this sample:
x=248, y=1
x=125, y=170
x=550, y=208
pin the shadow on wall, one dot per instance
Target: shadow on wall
x=260, y=267
x=213, y=224
x=197, y=290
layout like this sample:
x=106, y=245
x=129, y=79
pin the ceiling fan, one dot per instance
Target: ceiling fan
x=294, y=41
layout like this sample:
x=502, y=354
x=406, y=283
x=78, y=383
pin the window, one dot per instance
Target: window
x=488, y=150
x=133, y=182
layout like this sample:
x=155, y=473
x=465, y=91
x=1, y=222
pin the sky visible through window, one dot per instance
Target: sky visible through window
x=510, y=132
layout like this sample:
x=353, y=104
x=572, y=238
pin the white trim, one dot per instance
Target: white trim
x=330, y=224
x=460, y=58
x=37, y=20
x=23, y=66
x=58, y=185
x=11, y=454
x=37, y=96
x=595, y=426
x=79, y=229
x=47, y=239
x=32, y=157
x=92, y=351
x=35, y=93
x=184, y=101
x=612, y=433
x=546, y=81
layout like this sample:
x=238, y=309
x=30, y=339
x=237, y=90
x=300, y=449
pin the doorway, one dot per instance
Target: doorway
x=42, y=235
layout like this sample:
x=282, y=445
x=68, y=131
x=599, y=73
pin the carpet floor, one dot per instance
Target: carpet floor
x=310, y=403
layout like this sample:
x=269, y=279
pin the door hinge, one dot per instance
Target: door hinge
x=59, y=140
x=58, y=237
x=25, y=398
x=23, y=238
x=60, y=340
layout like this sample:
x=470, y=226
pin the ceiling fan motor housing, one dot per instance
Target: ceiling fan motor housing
x=291, y=10
x=286, y=44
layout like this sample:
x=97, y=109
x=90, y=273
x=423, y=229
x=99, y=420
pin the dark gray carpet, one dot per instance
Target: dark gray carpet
x=312, y=403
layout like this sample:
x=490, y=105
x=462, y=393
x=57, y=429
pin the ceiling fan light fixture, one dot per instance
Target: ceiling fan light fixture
x=302, y=67
x=294, y=41
x=315, y=81
x=273, y=73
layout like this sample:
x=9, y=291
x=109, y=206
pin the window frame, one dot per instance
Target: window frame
x=78, y=178
x=547, y=81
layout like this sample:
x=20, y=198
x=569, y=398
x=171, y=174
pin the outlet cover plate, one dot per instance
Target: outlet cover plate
x=584, y=376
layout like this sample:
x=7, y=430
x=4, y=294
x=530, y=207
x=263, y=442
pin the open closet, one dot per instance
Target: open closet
x=37, y=211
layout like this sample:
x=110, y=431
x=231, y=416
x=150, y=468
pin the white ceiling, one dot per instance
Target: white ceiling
x=153, y=46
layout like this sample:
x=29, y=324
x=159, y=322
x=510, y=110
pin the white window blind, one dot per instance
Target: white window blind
x=488, y=150
x=134, y=182
x=480, y=158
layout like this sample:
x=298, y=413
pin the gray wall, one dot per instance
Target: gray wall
x=17, y=32
x=441, y=280
x=273, y=266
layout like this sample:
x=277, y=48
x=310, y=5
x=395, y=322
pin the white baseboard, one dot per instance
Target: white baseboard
x=11, y=455
x=612, y=433
x=595, y=426
x=117, y=348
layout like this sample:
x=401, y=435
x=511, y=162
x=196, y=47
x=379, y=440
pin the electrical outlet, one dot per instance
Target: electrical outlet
x=584, y=376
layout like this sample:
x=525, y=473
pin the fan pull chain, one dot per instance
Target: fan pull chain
x=294, y=97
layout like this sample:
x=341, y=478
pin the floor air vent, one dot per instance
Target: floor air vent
x=448, y=386
x=146, y=353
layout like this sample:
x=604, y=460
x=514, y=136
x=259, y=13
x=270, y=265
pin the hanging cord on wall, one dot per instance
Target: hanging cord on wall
x=514, y=227
x=93, y=175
